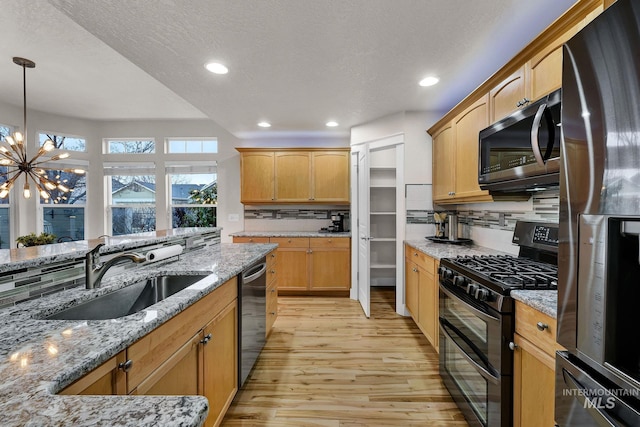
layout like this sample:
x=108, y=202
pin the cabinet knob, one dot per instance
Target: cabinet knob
x=273, y=272
x=251, y=240
x=273, y=290
x=512, y=346
x=273, y=255
x=523, y=101
x=415, y=254
x=273, y=313
x=542, y=326
x=125, y=366
x=289, y=241
x=415, y=270
x=206, y=339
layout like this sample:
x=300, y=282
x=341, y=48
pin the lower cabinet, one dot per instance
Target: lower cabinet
x=195, y=352
x=534, y=368
x=272, y=291
x=421, y=292
x=308, y=265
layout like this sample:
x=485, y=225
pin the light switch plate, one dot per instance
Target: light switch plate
x=233, y=218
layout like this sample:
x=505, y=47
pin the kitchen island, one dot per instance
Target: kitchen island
x=40, y=357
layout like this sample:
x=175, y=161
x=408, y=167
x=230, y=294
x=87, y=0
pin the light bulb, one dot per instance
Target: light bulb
x=48, y=145
x=26, y=192
x=63, y=188
x=4, y=193
x=18, y=136
x=10, y=140
x=44, y=194
x=50, y=185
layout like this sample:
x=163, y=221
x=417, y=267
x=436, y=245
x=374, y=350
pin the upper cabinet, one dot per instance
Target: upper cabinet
x=455, y=156
x=533, y=73
x=294, y=175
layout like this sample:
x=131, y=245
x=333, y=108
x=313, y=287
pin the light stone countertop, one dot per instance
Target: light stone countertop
x=38, y=358
x=34, y=256
x=289, y=234
x=544, y=301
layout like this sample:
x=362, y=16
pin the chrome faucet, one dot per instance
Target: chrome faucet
x=94, y=270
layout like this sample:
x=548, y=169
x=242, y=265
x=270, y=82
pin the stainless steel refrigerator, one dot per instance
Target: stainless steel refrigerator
x=598, y=378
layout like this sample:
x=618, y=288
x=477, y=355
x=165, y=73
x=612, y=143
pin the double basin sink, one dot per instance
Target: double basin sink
x=128, y=300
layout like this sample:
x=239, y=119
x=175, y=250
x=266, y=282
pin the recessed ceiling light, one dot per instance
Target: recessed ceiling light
x=332, y=124
x=216, y=68
x=264, y=124
x=429, y=81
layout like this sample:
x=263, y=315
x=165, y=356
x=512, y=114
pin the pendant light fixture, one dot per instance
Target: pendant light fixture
x=13, y=156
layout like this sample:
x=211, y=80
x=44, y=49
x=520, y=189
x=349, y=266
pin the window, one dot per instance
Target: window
x=5, y=219
x=63, y=214
x=189, y=145
x=64, y=142
x=193, y=195
x=130, y=146
x=131, y=190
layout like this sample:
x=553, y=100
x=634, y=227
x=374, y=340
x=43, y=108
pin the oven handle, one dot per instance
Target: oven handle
x=480, y=314
x=481, y=370
x=601, y=418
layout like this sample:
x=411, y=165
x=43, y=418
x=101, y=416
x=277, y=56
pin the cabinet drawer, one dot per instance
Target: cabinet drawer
x=291, y=242
x=250, y=240
x=536, y=327
x=421, y=259
x=272, y=258
x=330, y=242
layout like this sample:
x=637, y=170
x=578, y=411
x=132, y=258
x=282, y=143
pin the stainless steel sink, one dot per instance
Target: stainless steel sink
x=128, y=300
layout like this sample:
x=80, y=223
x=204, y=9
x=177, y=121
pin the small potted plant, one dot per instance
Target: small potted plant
x=32, y=239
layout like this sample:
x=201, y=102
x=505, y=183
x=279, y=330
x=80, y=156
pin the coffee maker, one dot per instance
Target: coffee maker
x=338, y=223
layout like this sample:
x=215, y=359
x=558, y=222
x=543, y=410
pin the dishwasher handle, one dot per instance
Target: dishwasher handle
x=254, y=272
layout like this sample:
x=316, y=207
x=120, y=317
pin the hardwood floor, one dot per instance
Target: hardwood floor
x=325, y=364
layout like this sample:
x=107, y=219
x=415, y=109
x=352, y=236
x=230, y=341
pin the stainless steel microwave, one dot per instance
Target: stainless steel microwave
x=522, y=151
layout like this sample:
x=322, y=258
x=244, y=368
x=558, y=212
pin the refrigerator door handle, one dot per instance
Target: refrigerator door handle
x=535, y=145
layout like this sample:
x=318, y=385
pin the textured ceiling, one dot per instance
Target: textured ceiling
x=295, y=63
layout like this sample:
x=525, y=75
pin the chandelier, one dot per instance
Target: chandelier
x=13, y=156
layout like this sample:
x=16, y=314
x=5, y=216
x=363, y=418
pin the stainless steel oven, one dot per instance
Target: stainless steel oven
x=474, y=356
x=477, y=324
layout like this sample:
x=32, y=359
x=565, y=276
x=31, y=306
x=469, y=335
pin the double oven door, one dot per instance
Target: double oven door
x=475, y=363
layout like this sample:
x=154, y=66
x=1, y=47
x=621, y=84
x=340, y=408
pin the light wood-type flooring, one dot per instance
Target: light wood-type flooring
x=326, y=364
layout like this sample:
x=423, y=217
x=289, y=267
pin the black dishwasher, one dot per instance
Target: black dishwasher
x=252, y=317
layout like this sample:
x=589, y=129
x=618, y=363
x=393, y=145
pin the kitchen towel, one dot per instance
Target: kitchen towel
x=164, y=253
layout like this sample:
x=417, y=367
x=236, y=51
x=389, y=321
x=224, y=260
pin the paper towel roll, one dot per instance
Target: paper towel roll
x=164, y=253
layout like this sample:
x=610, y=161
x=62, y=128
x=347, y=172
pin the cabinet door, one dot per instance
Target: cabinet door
x=330, y=180
x=220, y=363
x=330, y=269
x=293, y=176
x=272, y=307
x=504, y=98
x=292, y=254
x=237, y=239
x=428, y=306
x=257, y=175
x=411, y=288
x=444, y=166
x=178, y=375
x=533, y=385
x=467, y=127
x=106, y=379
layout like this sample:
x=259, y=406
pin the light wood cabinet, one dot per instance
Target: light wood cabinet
x=294, y=175
x=311, y=265
x=220, y=363
x=421, y=292
x=508, y=95
x=108, y=378
x=237, y=239
x=444, y=158
x=534, y=367
x=257, y=177
x=272, y=291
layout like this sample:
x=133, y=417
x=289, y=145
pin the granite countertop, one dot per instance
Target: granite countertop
x=15, y=259
x=543, y=301
x=38, y=358
x=289, y=234
x=447, y=250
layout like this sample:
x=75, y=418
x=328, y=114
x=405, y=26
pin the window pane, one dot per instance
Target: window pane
x=208, y=145
x=66, y=224
x=133, y=220
x=4, y=131
x=4, y=229
x=71, y=143
x=194, y=217
x=194, y=188
x=133, y=189
x=3, y=178
x=76, y=183
x=131, y=146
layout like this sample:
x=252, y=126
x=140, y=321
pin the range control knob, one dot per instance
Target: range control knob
x=459, y=281
x=482, y=294
x=471, y=289
x=445, y=273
